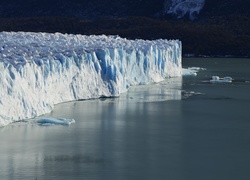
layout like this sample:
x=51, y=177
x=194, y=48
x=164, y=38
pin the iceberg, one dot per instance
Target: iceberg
x=217, y=79
x=39, y=70
x=55, y=121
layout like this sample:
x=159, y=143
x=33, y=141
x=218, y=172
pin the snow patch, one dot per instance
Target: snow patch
x=182, y=7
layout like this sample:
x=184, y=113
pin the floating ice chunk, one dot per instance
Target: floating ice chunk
x=187, y=94
x=189, y=72
x=217, y=79
x=196, y=68
x=55, y=121
x=186, y=72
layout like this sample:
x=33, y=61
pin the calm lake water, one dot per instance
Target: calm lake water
x=180, y=129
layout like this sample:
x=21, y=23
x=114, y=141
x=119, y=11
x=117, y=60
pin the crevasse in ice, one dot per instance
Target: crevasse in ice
x=39, y=70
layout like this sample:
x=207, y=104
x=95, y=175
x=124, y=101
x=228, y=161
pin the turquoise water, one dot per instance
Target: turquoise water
x=180, y=129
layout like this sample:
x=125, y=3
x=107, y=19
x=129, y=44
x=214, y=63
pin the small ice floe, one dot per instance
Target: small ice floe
x=217, y=79
x=55, y=121
x=196, y=68
x=187, y=94
x=191, y=71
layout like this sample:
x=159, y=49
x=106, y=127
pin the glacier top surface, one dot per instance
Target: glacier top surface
x=21, y=47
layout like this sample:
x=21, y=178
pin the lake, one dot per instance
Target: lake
x=180, y=129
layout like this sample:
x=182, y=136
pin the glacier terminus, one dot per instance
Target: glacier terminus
x=39, y=70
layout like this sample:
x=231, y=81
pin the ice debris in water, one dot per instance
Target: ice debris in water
x=187, y=94
x=217, y=79
x=39, y=70
x=196, y=68
x=191, y=71
x=187, y=72
x=55, y=121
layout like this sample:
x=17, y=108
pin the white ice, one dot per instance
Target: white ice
x=191, y=71
x=196, y=68
x=217, y=79
x=39, y=70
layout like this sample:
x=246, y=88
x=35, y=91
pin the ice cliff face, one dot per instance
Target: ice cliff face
x=183, y=7
x=39, y=70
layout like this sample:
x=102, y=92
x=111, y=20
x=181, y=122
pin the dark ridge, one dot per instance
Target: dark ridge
x=219, y=36
x=221, y=29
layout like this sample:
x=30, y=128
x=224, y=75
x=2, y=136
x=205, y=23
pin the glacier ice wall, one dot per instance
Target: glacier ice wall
x=39, y=70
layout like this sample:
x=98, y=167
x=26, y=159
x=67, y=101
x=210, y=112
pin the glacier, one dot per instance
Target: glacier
x=39, y=70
